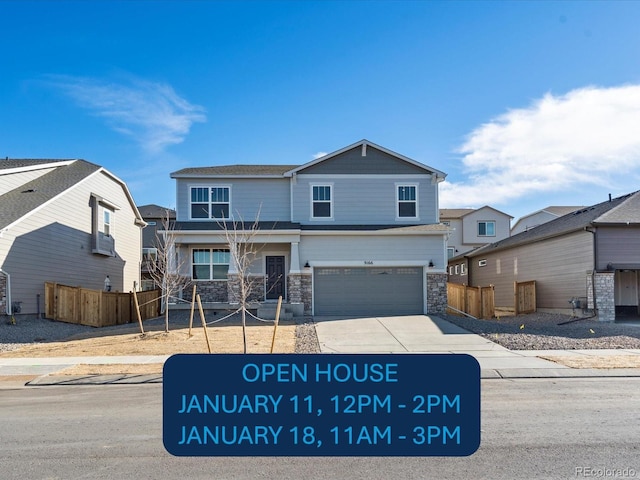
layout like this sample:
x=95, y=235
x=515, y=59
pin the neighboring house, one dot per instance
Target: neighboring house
x=155, y=217
x=541, y=216
x=355, y=232
x=590, y=255
x=471, y=228
x=64, y=221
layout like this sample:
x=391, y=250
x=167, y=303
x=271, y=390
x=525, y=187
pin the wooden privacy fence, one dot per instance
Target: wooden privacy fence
x=478, y=302
x=525, y=297
x=97, y=308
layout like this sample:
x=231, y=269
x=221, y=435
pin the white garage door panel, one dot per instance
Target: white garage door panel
x=368, y=291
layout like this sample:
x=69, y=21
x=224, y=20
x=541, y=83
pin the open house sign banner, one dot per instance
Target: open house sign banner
x=321, y=405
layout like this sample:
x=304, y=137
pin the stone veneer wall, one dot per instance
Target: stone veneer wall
x=436, y=293
x=3, y=294
x=213, y=290
x=233, y=288
x=299, y=290
x=605, y=298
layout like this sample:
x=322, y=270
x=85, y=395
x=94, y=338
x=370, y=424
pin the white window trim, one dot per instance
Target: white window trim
x=209, y=187
x=463, y=269
x=107, y=212
x=457, y=269
x=331, y=192
x=482, y=263
x=417, y=201
x=486, y=222
x=211, y=263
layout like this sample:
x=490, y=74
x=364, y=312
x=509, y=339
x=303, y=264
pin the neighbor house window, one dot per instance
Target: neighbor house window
x=321, y=201
x=451, y=251
x=486, y=229
x=210, y=202
x=210, y=263
x=482, y=263
x=106, y=215
x=407, y=201
x=463, y=269
x=457, y=269
x=149, y=254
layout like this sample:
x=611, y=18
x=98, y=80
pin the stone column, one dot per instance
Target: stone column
x=436, y=293
x=605, y=297
x=3, y=294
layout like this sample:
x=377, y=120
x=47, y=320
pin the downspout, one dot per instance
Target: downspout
x=8, y=307
x=593, y=272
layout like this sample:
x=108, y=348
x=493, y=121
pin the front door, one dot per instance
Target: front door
x=275, y=277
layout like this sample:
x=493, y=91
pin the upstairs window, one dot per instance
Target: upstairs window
x=407, y=201
x=210, y=263
x=106, y=222
x=210, y=202
x=321, y=203
x=487, y=229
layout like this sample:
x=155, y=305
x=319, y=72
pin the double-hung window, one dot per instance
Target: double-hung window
x=487, y=229
x=321, y=201
x=407, y=196
x=210, y=263
x=210, y=202
x=106, y=223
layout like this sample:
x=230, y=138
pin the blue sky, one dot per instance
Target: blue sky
x=522, y=104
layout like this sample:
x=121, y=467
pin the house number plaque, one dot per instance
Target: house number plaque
x=321, y=405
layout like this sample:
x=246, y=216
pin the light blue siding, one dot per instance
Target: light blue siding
x=270, y=196
x=364, y=200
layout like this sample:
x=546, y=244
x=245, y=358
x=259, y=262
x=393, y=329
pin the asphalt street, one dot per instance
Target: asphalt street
x=541, y=428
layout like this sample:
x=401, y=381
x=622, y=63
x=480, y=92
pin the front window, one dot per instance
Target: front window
x=407, y=201
x=210, y=202
x=321, y=203
x=210, y=263
x=486, y=229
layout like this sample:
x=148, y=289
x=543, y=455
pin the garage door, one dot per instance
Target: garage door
x=368, y=291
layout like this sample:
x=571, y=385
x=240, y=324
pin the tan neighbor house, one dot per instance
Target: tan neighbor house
x=65, y=221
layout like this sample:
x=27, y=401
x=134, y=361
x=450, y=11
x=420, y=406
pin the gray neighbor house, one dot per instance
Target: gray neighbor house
x=591, y=256
x=355, y=232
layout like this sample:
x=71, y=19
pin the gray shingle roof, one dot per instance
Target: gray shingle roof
x=235, y=170
x=626, y=206
x=28, y=196
x=7, y=163
x=455, y=212
x=155, y=211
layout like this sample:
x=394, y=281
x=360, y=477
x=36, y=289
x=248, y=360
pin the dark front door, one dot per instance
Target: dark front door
x=275, y=277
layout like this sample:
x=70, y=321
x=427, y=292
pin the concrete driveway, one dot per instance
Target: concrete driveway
x=427, y=334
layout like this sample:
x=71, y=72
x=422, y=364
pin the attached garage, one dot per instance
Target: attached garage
x=371, y=291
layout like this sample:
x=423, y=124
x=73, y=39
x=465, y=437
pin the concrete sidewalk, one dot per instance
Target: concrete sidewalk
x=407, y=334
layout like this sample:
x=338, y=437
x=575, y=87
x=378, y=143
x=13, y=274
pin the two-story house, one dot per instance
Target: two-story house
x=355, y=232
x=473, y=227
x=65, y=221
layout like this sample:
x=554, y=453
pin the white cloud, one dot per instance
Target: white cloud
x=319, y=155
x=152, y=113
x=588, y=137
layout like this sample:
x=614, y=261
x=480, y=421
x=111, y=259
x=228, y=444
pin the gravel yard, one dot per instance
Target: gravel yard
x=546, y=331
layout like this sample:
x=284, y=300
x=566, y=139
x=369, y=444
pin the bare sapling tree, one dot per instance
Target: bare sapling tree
x=166, y=266
x=243, y=252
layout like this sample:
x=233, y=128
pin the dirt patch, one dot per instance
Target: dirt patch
x=596, y=361
x=124, y=342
